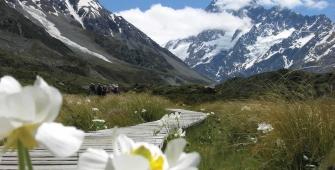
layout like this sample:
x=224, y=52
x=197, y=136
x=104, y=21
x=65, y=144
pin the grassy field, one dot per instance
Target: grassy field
x=250, y=134
x=88, y=112
x=302, y=135
x=287, y=124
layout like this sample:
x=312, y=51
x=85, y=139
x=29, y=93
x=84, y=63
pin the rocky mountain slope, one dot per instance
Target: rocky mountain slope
x=80, y=41
x=277, y=38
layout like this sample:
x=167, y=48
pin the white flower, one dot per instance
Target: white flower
x=27, y=113
x=88, y=100
x=247, y=108
x=105, y=126
x=265, y=127
x=69, y=102
x=175, y=116
x=139, y=156
x=78, y=103
x=164, y=122
x=95, y=109
x=202, y=109
x=176, y=131
x=212, y=113
x=135, y=112
x=208, y=114
x=180, y=133
x=143, y=110
x=98, y=120
x=254, y=140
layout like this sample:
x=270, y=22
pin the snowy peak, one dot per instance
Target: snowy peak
x=278, y=38
x=230, y=6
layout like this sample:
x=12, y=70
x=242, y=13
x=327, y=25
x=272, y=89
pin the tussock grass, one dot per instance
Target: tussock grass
x=117, y=110
x=303, y=135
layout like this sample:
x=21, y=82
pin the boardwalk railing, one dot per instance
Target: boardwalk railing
x=42, y=159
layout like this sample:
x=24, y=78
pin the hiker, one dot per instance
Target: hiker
x=99, y=89
x=92, y=89
x=109, y=89
x=104, y=90
x=116, y=89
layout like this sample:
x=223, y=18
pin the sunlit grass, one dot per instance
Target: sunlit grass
x=303, y=135
x=228, y=138
x=117, y=110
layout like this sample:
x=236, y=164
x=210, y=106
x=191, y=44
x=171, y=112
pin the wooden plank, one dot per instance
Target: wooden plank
x=44, y=160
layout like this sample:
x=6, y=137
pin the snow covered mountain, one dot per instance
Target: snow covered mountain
x=91, y=31
x=277, y=38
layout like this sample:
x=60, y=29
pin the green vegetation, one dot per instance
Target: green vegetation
x=302, y=135
x=283, y=83
x=297, y=108
x=298, y=105
x=116, y=110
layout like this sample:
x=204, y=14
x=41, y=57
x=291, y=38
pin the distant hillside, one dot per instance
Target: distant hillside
x=75, y=43
x=280, y=84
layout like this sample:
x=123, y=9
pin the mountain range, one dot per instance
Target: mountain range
x=75, y=42
x=276, y=38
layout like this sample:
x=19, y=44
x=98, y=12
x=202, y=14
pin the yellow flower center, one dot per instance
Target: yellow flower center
x=25, y=134
x=156, y=163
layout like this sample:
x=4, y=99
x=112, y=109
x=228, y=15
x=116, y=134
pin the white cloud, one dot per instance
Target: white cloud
x=164, y=23
x=282, y=3
x=316, y=4
x=232, y=4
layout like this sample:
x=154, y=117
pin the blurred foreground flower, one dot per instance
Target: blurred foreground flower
x=26, y=117
x=139, y=156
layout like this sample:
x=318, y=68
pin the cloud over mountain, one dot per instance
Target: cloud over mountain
x=164, y=23
x=319, y=4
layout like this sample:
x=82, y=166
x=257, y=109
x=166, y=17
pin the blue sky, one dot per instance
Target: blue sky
x=143, y=5
x=164, y=20
x=121, y=5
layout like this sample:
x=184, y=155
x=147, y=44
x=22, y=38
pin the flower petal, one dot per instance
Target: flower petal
x=130, y=162
x=114, y=142
x=126, y=144
x=41, y=102
x=93, y=159
x=55, y=99
x=174, y=149
x=9, y=85
x=60, y=140
x=110, y=165
x=6, y=127
x=187, y=161
x=18, y=107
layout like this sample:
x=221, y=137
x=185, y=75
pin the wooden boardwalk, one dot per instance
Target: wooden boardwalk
x=42, y=159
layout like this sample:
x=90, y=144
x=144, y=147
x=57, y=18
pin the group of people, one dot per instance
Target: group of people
x=103, y=90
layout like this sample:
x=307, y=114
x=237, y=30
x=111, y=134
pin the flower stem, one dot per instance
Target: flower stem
x=20, y=154
x=27, y=156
